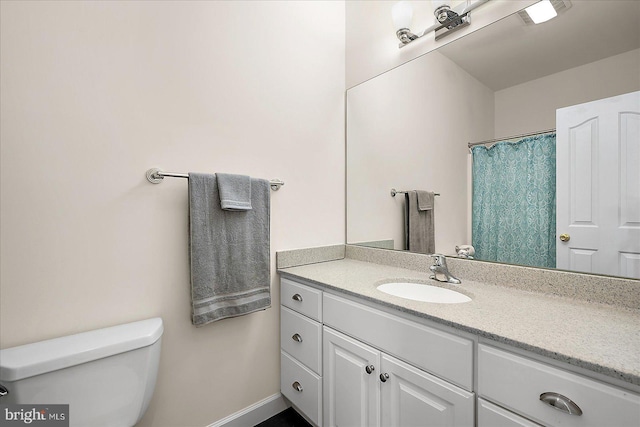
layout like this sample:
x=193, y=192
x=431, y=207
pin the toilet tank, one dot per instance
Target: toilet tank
x=106, y=376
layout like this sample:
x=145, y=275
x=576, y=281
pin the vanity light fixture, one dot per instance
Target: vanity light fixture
x=402, y=14
x=447, y=19
x=442, y=11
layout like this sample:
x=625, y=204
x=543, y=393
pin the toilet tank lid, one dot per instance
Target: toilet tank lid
x=28, y=360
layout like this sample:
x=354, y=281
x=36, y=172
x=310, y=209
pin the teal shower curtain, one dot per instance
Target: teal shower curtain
x=514, y=201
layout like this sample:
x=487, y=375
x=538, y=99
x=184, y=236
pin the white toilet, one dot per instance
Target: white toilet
x=107, y=376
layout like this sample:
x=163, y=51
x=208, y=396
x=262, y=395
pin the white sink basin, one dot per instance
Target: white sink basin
x=422, y=292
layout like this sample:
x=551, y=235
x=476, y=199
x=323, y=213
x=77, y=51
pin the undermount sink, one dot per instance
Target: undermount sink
x=422, y=292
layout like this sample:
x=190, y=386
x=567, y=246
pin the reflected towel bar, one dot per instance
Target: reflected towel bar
x=394, y=192
x=155, y=176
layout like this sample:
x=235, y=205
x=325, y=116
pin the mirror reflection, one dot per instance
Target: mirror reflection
x=530, y=134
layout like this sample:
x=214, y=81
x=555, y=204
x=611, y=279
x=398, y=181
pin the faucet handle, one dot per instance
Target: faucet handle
x=439, y=259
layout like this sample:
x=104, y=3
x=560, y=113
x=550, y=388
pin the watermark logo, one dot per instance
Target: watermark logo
x=34, y=415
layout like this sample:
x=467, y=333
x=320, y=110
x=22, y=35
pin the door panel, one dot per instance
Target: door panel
x=411, y=397
x=598, y=186
x=351, y=395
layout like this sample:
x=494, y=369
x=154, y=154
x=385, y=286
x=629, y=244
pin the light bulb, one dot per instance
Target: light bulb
x=402, y=14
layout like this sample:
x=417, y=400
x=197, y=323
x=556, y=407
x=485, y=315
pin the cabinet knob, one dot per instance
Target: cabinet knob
x=297, y=297
x=297, y=386
x=296, y=337
x=369, y=369
x=561, y=403
x=384, y=377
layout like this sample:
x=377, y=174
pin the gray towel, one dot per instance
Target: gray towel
x=230, y=252
x=425, y=200
x=419, y=225
x=235, y=191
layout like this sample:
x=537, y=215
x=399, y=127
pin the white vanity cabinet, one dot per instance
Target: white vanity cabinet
x=346, y=363
x=301, y=348
x=365, y=386
x=522, y=385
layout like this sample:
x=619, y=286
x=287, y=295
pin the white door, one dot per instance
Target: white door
x=598, y=186
x=411, y=397
x=351, y=390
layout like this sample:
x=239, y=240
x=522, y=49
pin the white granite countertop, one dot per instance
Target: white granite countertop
x=598, y=337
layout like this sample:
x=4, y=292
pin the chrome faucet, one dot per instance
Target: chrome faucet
x=440, y=271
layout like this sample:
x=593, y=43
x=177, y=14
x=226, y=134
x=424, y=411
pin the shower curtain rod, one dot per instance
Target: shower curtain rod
x=155, y=176
x=491, y=141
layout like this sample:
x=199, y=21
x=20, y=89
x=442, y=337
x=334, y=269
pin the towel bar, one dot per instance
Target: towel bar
x=155, y=176
x=394, y=192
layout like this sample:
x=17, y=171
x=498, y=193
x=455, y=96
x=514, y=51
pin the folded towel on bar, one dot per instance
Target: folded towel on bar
x=235, y=191
x=230, y=252
x=419, y=226
x=425, y=200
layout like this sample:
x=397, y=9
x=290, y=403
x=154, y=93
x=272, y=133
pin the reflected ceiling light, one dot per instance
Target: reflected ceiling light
x=447, y=19
x=541, y=12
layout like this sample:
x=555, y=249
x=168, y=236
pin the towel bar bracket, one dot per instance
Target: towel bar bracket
x=153, y=176
x=156, y=176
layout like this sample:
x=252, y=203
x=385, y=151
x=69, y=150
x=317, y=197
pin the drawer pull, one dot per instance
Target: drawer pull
x=297, y=297
x=384, y=377
x=296, y=386
x=296, y=337
x=561, y=403
x=369, y=369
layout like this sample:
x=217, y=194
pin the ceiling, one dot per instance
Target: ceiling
x=510, y=52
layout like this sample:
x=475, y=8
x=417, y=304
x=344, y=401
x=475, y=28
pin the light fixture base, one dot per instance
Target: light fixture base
x=405, y=36
x=452, y=25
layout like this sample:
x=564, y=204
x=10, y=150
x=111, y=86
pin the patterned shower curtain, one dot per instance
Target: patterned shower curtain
x=514, y=201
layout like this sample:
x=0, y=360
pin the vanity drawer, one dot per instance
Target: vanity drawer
x=517, y=383
x=443, y=354
x=490, y=415
x=301, y=298
x=301, y=337
x=302, y=387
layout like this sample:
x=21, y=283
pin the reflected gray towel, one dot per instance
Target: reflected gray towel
x=419, y=225
x=230, y=252
x=235, y=191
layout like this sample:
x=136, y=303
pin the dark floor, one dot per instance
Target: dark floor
x=286, y=418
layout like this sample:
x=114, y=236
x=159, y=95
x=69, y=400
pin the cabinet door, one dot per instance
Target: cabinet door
x=351, y=389
x=411, y=397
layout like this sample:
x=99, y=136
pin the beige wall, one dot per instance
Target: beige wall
x=95, y=93
x=405, y=132
x=372, y=45
x=531, y=106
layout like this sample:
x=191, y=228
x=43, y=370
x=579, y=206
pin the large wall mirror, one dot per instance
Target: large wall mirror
x=410, y=128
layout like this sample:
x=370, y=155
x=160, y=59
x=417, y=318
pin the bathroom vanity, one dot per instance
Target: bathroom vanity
x=355, y=356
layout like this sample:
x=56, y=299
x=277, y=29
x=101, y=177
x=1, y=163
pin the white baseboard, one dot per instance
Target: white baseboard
x=254, y=414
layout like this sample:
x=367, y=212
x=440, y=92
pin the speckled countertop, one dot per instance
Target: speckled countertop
x=598, y=337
